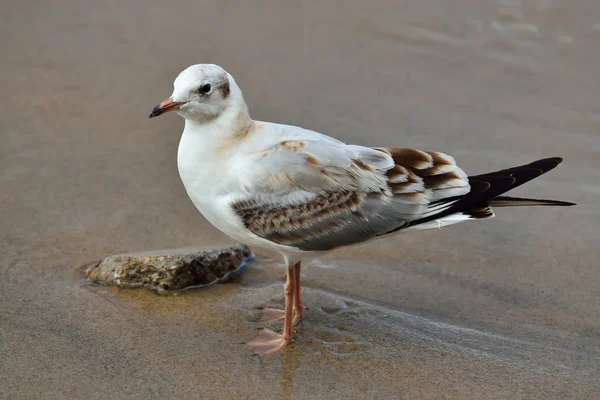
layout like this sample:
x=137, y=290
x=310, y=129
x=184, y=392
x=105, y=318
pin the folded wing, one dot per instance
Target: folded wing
x=315, y=195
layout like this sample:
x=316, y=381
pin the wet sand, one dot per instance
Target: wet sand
x=507, y=308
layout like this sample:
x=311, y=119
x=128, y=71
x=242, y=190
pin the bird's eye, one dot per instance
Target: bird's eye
x=205, y=88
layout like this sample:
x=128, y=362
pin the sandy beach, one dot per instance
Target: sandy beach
x=502, y=309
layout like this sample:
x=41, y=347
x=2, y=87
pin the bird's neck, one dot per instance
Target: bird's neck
x=233, y=123
x=208, y=146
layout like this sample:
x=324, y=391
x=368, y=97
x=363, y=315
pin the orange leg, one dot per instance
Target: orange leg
x=275, y=316
x=298, y=306
x=268, y=341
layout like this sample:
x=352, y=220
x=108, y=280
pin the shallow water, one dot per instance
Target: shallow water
x=494, y=309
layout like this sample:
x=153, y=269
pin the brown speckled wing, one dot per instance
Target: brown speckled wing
x=323, y=222
x=315, y=205
x=270, y=220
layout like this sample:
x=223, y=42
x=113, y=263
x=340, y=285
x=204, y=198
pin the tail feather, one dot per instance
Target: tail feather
x=506, y=201
x=487, y=188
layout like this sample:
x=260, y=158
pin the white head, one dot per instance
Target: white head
x=201, y=93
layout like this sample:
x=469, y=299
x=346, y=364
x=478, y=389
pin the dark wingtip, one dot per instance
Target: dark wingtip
x=506, y=201
x=563, y=203
x=560, y=203
x=557, y=160
x=546, y=164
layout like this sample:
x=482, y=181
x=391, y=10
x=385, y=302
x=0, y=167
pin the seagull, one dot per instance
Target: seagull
x=297, y=192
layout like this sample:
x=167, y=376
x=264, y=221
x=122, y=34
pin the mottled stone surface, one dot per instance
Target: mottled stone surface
x=170, y=270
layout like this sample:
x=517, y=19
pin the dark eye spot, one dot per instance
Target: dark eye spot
x=205, y=88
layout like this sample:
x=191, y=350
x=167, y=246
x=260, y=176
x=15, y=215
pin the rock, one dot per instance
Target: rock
x=170, y=270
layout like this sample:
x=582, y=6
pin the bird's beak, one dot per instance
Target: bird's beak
x=165, y=107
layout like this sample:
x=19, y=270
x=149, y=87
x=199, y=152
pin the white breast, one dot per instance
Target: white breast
x=203, y=174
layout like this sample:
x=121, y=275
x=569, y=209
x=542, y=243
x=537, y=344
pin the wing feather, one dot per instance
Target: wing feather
x=316, y=194
x=312, y=192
